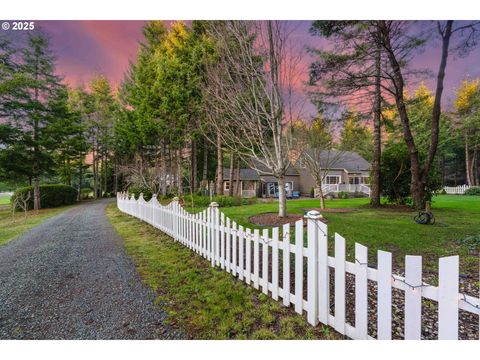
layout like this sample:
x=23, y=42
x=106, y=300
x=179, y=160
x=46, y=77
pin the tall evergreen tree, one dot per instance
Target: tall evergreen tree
x=32, y=110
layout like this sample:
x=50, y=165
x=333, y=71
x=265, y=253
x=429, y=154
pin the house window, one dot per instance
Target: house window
x=226, y=185
x=332, y=180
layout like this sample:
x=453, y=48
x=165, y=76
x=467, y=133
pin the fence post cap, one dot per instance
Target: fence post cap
x=313, y=214
x=213, y=204
x=176, y=199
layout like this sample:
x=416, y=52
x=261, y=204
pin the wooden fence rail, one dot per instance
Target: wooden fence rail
x=273, y=261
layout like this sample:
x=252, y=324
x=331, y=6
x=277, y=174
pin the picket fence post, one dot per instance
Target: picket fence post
x=176, y=218
x=448, y=298
x=214, y=234
x=312, y=266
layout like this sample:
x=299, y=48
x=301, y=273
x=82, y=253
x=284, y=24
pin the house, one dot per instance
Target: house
x=344, y=171
x=347, y=171
x=254, y=184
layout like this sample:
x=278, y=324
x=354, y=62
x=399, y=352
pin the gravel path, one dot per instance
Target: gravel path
x=69, y=278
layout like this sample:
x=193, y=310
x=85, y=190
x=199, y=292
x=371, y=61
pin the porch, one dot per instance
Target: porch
x=349, y=188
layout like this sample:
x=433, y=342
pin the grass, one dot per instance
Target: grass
x=392, y=229
x=11, y=229
x=4, y=200
x=206, y=302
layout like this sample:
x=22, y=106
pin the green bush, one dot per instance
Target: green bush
x=221, y=200
x=396, y=175
x=136, y=191
x=86, y=193
x=472, y=242
x=50, y=195
x=343, y=195
x=475, y=190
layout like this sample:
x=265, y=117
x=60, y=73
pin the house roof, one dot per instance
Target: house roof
x=252, y=174
x=345, y=160
x=245, y=174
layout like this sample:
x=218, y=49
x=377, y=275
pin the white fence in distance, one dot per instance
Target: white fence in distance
x=458, y=190
x=263, y=260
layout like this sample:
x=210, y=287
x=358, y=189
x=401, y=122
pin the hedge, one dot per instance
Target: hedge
x=221, y=200
x=475, y=190
x=50, y=195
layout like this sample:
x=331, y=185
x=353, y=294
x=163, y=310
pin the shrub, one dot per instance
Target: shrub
x=343, y=195
x=472, y=242
x=221, y=200
x=86, y=193
x=312, y=192
x=136, y=191
x=475, y=190
x=50, y=195
x=396, y=175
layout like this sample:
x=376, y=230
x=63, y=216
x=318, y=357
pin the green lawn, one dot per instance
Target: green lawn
x=208, y=303
x=10, y=229
x=4, y=200
x=392, y=229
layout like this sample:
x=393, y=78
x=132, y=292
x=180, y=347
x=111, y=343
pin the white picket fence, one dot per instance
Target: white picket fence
x=460, y=189
x=264, y=261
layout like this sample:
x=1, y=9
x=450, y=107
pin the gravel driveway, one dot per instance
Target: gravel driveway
x=69, y=278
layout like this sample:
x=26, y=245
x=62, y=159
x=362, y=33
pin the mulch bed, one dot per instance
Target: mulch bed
x=395, y=207
x=272, y=219
x=333, y=210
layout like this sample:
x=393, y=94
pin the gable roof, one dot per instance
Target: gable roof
x=245, y=174
x=345, y=160
x=252, y=174
x=291, y=170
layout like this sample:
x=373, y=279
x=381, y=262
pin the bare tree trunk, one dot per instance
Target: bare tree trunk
x=230, y=174
x=36, y=193
x=194, y=167
x=237, y=179
x=475, y=165
x=80, y=178
x=115, y=175
x=468, y=172
x=105, y=170
x=377, y=135
x=179, y=171
x=203, y=185
x=320, y=194
x=100, y=176
x=282, y=197
x=219, y=165
x=95, y=177
x=163, y=168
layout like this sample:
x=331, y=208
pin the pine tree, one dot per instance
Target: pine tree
x=34, y=115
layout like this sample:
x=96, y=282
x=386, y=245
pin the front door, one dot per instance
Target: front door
x=272, y=189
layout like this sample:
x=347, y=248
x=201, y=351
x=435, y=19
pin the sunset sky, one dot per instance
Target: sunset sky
x=87, y=48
